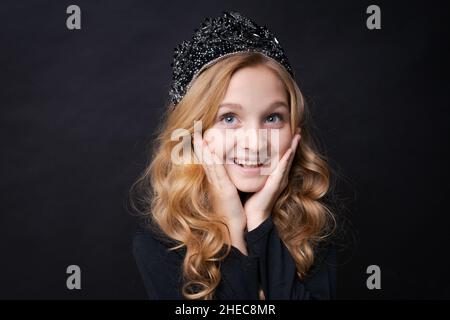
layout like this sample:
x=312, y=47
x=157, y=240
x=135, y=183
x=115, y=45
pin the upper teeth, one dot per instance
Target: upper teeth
x=247, y=163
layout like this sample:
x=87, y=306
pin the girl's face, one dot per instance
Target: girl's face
x=252, y=124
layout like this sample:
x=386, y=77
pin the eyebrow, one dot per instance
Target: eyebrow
x=238, y=106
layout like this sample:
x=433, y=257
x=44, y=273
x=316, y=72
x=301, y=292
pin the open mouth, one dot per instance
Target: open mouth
x=249, y=164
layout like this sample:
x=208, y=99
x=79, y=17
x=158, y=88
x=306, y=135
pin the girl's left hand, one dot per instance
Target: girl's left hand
x=259, y=206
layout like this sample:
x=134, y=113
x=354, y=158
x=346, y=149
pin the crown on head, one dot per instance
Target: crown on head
x=216, y=39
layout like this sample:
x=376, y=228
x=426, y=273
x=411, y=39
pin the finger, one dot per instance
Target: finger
x=281, y=172
x=209, y=162
x=201, y=154
x=287, y=169
x=207, y=157
x=294, y=145
x=220, y=169
x=199, y=148
x=284, y=161
x=215, y=169
x=276, y=177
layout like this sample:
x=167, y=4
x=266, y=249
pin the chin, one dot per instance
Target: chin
x=249, y=186
x=246, y=183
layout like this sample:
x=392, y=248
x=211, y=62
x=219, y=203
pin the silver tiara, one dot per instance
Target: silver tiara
x=216, y=39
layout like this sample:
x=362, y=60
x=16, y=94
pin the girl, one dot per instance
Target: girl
x=239, y=222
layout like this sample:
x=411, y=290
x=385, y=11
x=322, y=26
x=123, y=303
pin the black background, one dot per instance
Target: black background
x=78, y=110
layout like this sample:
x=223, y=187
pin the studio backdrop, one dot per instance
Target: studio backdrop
x=84, y=85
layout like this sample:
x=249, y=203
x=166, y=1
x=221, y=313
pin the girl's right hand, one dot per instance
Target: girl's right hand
x=225, y=197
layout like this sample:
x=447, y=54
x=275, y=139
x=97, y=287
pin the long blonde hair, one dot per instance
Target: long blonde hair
x=175, y=196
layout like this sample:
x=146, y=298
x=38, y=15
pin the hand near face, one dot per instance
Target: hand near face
x=225, y=197
x=259, y=206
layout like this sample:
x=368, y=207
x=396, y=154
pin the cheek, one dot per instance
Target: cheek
x=216, y=142
x=282, y=144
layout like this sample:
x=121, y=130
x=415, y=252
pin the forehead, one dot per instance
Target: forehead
x=255, y=86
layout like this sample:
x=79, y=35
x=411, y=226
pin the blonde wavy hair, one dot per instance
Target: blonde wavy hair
x=175, y=196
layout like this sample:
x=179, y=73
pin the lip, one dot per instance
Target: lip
x=250, y=171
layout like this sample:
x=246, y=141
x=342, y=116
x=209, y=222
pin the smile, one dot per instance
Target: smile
x=249, y=166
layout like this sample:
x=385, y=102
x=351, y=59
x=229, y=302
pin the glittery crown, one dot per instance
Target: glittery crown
x=216, y=39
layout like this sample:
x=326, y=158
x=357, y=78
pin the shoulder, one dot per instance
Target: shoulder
x=149, y=243
x=159, y=266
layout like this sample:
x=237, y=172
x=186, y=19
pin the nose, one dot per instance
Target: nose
x=252, y=143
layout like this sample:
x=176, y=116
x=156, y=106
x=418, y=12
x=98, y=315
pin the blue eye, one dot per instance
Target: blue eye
x=275, y=115
x=226, y=117
x=272, y=119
